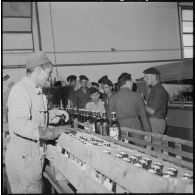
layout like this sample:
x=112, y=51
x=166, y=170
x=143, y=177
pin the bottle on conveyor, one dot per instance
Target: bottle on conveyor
x=92, y=120
x=87, y=116
x=114, y=130
x=98, y=124
x=105, y=124
x=75, y=117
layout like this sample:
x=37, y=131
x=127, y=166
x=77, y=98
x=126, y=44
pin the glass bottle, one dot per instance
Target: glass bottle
x=114, y=130
x=87, y=116
x=84, y=116
x=79, y=115
x=98, y=124
x=105, y=124
x=93, y=118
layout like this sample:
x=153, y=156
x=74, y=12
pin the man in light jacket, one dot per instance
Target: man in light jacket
x=27, y=119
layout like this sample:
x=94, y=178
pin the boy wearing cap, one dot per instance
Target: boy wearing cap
x=156, y=105
x=94, y=84
x=82, y=94
x=96, y=104
x=27, y=118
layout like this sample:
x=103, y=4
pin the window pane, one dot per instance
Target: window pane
x=17, y=9
x=187, y=40
x=188, y=52
x=187, y=27
x=17, y=24
x=187, y=14
x=13, y=41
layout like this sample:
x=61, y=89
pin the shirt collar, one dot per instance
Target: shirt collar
x=156, y=85
x=97, y=103
x=37, y=89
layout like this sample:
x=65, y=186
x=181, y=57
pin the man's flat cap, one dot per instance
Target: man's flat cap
x=71, y=78
x=151, y=71
x=94, y=83
x=83, y=77
x=102, y=79
x=36, y=59
x=93, y=90
x=107, y=82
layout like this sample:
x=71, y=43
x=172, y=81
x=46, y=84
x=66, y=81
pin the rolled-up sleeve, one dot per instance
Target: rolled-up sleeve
x=142, y=113
x=19, y=114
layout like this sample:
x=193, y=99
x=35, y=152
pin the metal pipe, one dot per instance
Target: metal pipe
x=38, y=25
x=95, y=64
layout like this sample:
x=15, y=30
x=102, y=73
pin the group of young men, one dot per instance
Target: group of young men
x=132, y=109
x=27, y=115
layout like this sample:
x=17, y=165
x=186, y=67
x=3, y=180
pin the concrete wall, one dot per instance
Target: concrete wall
x=86, y=32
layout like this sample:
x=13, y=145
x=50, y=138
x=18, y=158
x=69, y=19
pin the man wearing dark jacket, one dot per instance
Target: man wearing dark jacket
x=156, y=106
x=82, y=94
x=129, y=106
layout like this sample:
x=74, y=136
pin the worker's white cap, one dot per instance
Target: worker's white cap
x=37, y=59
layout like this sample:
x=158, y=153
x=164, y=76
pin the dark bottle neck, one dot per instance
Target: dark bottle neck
x=98, y=115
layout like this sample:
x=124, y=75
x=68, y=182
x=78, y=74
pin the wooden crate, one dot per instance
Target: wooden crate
x=147, y=146
x=89, y=169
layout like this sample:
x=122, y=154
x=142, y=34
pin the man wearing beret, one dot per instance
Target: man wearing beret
x=27, y=117
x=82, y=94
x=70, y=90
x=100, y=81
x=129, y=107
x=96, y=104
x=156, y=105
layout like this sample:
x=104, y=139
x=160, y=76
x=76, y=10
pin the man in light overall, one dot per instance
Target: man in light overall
x=27, y=119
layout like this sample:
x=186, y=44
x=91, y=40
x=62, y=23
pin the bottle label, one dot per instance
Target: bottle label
x=114, y=132
x=93, y=127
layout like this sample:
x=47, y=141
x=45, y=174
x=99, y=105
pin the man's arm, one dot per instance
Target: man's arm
x=156, y=101
x=142, y=113
x=20, y=114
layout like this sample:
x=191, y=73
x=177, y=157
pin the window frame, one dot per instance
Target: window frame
x=21, y=32
x=181, y=8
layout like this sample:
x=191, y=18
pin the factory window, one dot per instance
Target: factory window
x=187, y=31
x=17, y=26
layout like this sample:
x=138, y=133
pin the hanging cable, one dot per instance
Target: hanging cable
x=53, y=39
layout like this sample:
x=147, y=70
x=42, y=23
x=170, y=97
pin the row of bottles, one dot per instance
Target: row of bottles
x=184, y=96
x=100, y=124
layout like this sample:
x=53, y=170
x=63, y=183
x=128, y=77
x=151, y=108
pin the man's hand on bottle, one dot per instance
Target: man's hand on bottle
x=55, y=114
x=46, y=133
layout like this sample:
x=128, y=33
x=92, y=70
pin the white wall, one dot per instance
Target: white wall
x=98, y=27
x=93, y=28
